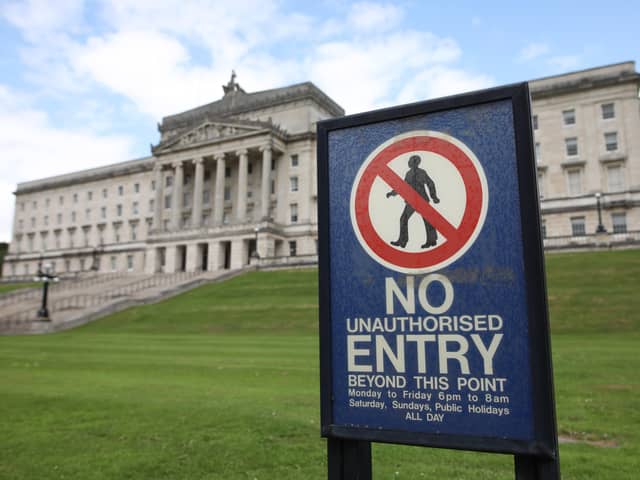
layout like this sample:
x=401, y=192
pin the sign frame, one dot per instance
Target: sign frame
x=539, y=455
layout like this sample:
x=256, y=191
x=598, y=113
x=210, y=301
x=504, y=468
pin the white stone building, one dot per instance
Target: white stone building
x=243, y=169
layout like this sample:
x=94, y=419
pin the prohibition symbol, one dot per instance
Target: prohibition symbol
x=432, y=230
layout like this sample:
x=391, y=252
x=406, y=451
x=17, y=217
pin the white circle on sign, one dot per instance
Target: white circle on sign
x=377, y=213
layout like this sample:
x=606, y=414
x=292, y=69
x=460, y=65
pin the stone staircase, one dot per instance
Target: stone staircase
x=80, y=300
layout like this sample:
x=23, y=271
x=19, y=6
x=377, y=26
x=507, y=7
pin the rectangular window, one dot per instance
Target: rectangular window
x=293, y=182
x=59, y=218
x=293, y=209
x=113, y=263
x=537, y=152
x=619, y=221
x=151, y=205
x=574, y=181
x=103, y=212
x=535, y=122
x=186, y=197
x=87, y=214
x=611, y=141
x=134, y=232
x=541, y=189
x=608, y=111
x=227, y=193
x=46, y=220
x=168, y=181
x=89, y=195
x=615, y=178
x=571, y=145
x=294, y=160
x=119, y=210
x=153, y=185
x=136, y=188
x=569, y=117
x=167, y=201
x=227, y=172
x=250, y=168
x=130, y=263
x=577, y=226
x=104, y=193
x=33, y=222
x=82, y=264
x=35, y=204
x=46, y=203
x=61, y=200
x=73, y=217
x=206, y=197
x=75, y=198
x=134, y=208
x=273, y=187
x=120, y=190
x=293, y=248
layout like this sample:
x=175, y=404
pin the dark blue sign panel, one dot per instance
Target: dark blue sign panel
x=433, y=308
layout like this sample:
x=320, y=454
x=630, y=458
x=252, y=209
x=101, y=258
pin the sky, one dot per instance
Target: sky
x=85, y=83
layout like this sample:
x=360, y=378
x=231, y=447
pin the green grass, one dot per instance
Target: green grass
x=222, y=383
x=10, y=287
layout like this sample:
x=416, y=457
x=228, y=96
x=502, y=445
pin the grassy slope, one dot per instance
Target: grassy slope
x=222, y=382
x=9, y=287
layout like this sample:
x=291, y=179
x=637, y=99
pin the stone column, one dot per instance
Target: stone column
x=241, y=204
x=176, y=211
x=196, y=212
x=265, y=188
x=218, y=206
x=158, y=201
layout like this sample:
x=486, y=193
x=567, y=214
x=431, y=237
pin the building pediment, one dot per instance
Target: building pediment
x=209, y=132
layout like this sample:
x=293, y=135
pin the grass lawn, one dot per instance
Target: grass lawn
x=222, y=383
x=10, y=287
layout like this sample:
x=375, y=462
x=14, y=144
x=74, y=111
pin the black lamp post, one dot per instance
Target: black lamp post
x=600, y=228
x=44, y=275
x=256, y=230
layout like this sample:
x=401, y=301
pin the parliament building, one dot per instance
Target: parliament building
x=234, y=182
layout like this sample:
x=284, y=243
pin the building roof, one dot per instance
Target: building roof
x=581, y=80
x=236, y=101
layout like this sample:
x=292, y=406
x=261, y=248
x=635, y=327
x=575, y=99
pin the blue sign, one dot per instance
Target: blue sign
x=433, y=307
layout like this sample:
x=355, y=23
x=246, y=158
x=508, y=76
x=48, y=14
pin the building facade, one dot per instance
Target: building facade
x=237, y=178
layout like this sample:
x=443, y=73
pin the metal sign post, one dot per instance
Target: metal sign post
x=433, y=312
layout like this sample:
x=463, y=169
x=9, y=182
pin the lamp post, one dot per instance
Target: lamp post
x=256, y=230
x=600, y=228
x=44, y=275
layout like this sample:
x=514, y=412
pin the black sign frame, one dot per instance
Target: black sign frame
x=538, y=457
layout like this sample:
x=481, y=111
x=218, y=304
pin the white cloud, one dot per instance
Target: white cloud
x=33, y=148
x=440, y=81
x=565, y=62
x=533, y=51
x=374, y=17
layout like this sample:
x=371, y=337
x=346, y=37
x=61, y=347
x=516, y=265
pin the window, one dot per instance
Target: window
x=293, y=209
x=46, y=220
x=153, y=185
x=569, y=117
x=59, y=218
x=82, y=264
x=206, y=197
x=87, y=214
x=273, y=187
x=119, y=210
x=207, y=175
x=577, y=226
x=186, y=196
x=535, y=122
x=541, y=185
x=574, y=181
x=33, y=222
x=250, y=168
x=113, y=263
x=294, y=160
x=34, y=204
x=75, y=198
x=293, y=248
x=543, y=228
x=615, y=178
x=58, y=239
x=130, y=263
x=227, y=172
x=46, y=203
x=89, y=195
x=168, y=181
x=186, y=180
x=104, y=193
x=136, y=188
x=225, y=218
x=134, y=231
x=571, y=145
x=293, y=182
x=608, y=111
x=227, y=193
x=116, y=232
x=134, y=208
x=619, y=221
x=61, y=200
x=120, y=190
x=167, y=201
x=273, y=164
x=611, y=141
x=20, y=224
x=22, y=206
x=151, y=205
x=86, y=237
x=103, y=212
x=537, y=152
x=73, y=217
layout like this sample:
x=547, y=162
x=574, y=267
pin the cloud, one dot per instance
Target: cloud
x=440, y=81
x=565, y=62
x=368, y=16
x=533, y=51
x=34, y=148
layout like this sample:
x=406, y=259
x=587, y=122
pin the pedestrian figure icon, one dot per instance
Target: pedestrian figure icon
x=416, y=178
